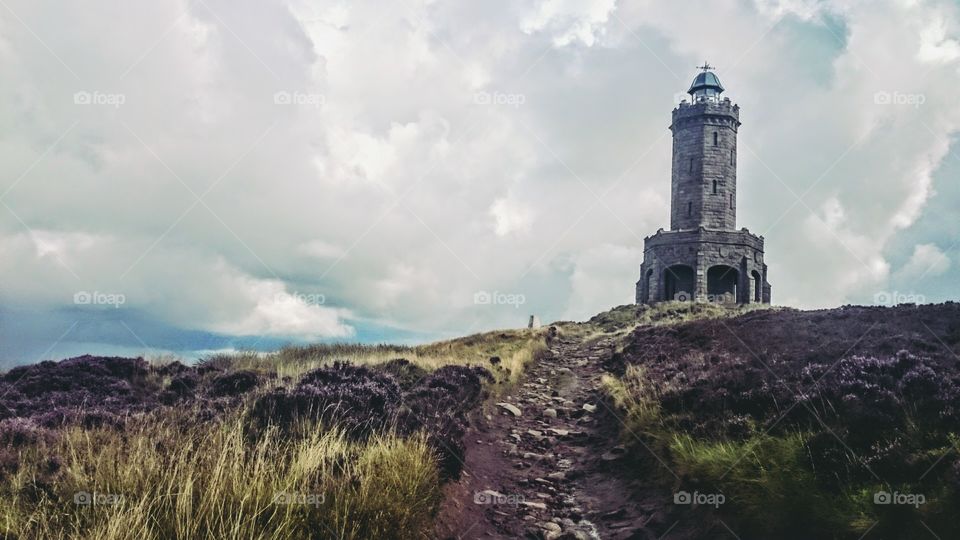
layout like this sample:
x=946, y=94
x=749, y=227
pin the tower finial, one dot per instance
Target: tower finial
x=705, y=67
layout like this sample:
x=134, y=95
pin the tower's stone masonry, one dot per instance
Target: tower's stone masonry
x=703, y=257
x=704, y=165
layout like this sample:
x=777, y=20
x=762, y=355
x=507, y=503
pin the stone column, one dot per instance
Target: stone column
x=700, y=277
x=743, y=283
x=656, y=282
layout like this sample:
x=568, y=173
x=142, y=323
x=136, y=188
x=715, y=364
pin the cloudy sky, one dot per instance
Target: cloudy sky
x=191, y=176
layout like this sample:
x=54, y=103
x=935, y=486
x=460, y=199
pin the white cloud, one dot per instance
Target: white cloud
x=935, y=44
x=60, y=245
x=399, y=195
x=510, y=217
x=569, y=21
x=804, y=9
x=604, y=274
x=278, y=312
x=322, y=250
x=927, y=260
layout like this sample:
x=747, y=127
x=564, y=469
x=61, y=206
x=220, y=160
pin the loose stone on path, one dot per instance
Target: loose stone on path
x=513, y=409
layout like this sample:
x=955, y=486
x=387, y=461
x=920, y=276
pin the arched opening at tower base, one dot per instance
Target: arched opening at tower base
x=678, y=283
x=757, y=287
x=722, y=284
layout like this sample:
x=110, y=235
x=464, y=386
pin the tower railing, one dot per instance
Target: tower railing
x=705, y=99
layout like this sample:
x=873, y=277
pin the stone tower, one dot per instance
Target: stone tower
x=703, y=257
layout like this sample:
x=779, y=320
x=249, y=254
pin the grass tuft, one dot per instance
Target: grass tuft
x=159, y=480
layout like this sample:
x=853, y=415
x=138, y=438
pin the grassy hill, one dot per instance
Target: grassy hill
x=324, y=441
x=801, y=420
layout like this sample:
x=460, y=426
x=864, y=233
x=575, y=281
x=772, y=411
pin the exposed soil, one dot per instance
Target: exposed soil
x=540, y=476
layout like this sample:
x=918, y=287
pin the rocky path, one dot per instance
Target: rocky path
x=541, y=462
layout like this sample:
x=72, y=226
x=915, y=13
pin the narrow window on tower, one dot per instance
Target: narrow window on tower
x=731, y=157
x=731, y=201
x=691, y=164
x=689, y=209
x=716, y=138
x=714, y=187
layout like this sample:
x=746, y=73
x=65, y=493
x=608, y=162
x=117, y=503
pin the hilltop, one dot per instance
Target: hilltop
x=687, y=420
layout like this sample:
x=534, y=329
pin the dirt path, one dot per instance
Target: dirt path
x=550, y=472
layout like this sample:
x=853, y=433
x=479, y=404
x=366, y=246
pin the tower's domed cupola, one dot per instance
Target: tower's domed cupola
x=705, y=84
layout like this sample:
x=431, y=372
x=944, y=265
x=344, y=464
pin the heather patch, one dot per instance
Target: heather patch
x=801, y=417
x=234, y=383
x=350, y=449
x=438, y=405
x=81, y=388
x=362, y=401
x=357, y=399
x=406, y=373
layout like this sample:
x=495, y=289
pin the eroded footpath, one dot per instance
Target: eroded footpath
x=542, y=461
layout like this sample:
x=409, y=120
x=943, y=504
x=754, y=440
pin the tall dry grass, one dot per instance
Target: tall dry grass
x=161, y=479
x=174, y=474
x=513, y=348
